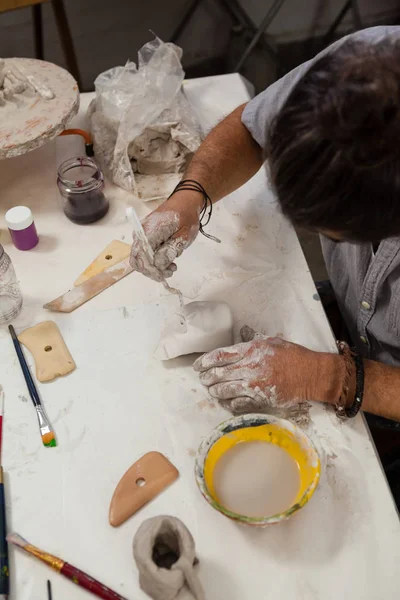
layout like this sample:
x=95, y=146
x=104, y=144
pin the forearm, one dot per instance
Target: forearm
x=227, y=158
x=382, y=390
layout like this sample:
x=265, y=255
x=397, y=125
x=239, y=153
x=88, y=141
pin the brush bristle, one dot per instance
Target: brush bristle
x=14, y=538
x=49, y=440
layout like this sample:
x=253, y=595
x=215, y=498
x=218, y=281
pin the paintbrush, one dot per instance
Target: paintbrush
x=1, y=420
x=77, y=576
x=4, y=574
x=46, y=431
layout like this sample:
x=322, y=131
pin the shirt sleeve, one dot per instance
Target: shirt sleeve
x=260, y=112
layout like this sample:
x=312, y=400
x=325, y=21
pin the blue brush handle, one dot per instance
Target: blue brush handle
x=25, y=369
x=4, y=574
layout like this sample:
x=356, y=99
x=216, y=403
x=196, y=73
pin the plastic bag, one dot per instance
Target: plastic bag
x=143, y=128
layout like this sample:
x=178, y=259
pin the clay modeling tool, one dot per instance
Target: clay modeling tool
x=112, y=254
x=48, y=437
x=98, y=283
x=142, y=482
x=64, y=568
x=88, y=290
x=49, y=594
x=4, y=573
x=138, y=228
x=47, y=346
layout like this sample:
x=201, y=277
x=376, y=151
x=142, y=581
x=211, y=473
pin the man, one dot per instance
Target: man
x=330, y=132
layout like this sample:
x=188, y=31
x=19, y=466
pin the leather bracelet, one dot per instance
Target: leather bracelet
x=345, y=352
x=354, y=409
x=353, y=361
x=206, y=211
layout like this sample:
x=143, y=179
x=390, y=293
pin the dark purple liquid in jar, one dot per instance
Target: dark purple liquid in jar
x=81, y=185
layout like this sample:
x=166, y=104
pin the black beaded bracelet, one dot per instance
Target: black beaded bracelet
x=353, y=410
x=206, y=211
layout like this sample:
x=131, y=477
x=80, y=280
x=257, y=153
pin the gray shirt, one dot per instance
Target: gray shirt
x=367, y=286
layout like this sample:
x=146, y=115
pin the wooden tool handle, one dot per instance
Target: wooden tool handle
x=88, y=583
x=4, y=574
x=88, y=290
x=115, y=252
x=25, y=369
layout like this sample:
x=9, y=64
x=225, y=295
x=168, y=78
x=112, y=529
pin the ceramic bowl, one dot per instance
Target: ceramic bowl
x=258, y=427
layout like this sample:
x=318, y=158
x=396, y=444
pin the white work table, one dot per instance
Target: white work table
x=121, y=403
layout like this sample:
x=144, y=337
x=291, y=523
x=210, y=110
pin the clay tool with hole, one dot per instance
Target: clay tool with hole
x=142, y=482
x=46, y=431
x=113, y=253
x=90, y=288
x=47, y=346
x=98, y=276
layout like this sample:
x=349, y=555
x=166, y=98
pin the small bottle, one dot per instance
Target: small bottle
x=81, y=185
x=10, y=293
x=22, y=227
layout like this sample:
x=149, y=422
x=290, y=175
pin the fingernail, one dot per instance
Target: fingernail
x=198, y=363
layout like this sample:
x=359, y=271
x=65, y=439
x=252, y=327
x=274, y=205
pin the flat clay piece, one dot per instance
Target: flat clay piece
x=142, y=482
x=206, y=326
x=111, y=255
x=47, y=346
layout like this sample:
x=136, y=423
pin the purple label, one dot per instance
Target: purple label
x=25, y=239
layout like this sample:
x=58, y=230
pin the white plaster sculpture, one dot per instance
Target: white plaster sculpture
x=13, y=83
x=205, y=326
x=37, y=101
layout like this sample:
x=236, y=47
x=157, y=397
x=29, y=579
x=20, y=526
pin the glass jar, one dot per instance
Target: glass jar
x=81, y=185
x=10, y=293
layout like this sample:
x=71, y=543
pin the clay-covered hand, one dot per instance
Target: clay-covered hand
x=267, y=372
x=170, y=230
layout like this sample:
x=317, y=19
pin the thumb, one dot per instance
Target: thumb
x=168, y=252
x=172, y=248
x=187, y=233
